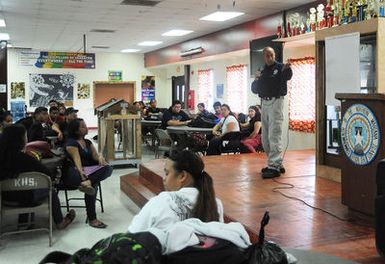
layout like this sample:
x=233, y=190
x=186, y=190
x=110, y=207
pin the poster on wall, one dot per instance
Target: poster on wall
x=220, y=90
x=45, y=87
x=148, y=88
x=48, y=59
x=18, y=110
x=83, y=90
x=17, y=90
x=3, y=88
x=115, y=76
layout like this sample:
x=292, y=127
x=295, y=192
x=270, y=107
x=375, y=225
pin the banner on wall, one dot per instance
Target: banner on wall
x=45, y=87
x=17, y=90
x=48, y=59
x=148, y=88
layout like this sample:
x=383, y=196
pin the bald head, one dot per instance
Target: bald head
x=269, y=55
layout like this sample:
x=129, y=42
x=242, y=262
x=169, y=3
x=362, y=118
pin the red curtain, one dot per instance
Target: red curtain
x=236, y=90
x=205, y=87
x=301, y=91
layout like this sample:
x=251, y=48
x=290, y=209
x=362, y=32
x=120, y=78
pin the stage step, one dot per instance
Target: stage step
x=151, y=179
x=136, y=189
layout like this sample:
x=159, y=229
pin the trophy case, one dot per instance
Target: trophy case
x=371, y=80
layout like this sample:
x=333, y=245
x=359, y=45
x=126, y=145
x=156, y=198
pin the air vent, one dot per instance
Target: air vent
x=100, y=30
x=140, y=2
x=100, y=47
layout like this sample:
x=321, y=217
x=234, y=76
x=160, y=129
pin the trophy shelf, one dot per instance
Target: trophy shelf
x=305, y=39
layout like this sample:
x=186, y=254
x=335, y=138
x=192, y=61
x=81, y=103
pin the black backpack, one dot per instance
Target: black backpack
x=120, y=248
x=203, y=122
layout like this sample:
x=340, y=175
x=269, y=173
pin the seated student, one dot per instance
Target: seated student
x=53, y=121
x=203, y=112
x=189, y=194
x=53, y=103
x=40, y=129
x=62, y=109
x=218, y=110
x=254, y=128
x=227, y=124
x=152, y=109
x=82, y=153
x=69, y=114
x=6, y=119
x=174, y=116
x=14, y=161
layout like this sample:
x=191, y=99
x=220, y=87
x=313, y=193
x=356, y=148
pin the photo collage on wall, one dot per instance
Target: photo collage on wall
x=83, y=91
x=45, y=87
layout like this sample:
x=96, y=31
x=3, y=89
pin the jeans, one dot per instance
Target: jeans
x=73, y=180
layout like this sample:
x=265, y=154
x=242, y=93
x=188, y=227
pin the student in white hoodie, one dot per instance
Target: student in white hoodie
x=189, y=194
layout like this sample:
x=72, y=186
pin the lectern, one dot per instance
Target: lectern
x=363, y=146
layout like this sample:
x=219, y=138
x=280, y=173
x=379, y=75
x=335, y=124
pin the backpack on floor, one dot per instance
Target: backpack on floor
x=215, y=250
x=120, y=248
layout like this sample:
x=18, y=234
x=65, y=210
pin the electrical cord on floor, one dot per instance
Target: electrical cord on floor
x=291, y=186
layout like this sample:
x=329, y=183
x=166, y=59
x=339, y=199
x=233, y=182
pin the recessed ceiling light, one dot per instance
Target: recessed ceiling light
x=177, y=33
x=150, y=43
x=129, y=50
x=4, y=36
x=221, y=16
x=2, y=23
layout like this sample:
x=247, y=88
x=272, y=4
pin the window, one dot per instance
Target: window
x=301, y=90
x=205, y=87
x=236, y=90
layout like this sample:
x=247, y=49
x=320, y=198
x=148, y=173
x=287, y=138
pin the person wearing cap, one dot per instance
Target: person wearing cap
x=40, y=130
x=69, y=114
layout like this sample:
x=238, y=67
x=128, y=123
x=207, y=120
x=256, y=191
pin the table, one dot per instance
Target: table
x=187, y=129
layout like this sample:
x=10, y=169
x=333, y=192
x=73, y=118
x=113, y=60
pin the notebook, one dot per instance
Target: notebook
x=88, y=170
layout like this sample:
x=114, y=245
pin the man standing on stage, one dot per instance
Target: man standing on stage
x=271, y=85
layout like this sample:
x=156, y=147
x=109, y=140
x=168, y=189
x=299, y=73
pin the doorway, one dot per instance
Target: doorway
x=178, y=89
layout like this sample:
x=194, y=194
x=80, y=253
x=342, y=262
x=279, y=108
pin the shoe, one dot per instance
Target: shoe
x=97, y=224
x=87, y=189
x=67, y=220
x=281, y=170
x=270, y=173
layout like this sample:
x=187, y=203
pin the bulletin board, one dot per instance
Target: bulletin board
x=105, y=91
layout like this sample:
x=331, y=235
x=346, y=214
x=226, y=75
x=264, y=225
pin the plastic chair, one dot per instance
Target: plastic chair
x=25, y=182
x=165, y=143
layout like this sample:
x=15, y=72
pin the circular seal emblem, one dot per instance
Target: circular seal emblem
x=360, y=134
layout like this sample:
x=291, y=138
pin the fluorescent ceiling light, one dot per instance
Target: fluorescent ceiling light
x=4, y=36
x=150, y=43
x=129, y=50
x=9, y=45
x=2, y=23
x=177, y=33
x=221, y=16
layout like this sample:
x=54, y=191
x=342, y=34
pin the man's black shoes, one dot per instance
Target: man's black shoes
x=270, y=173
x=281, y=170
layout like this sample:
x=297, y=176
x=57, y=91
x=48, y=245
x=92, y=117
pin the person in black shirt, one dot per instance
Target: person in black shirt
x=152, y=109
x=174, y=116
x=271, y=86
x=40, y=129
x=14, y=161
x=82, y=153
x=69, y=114
x=6, y=119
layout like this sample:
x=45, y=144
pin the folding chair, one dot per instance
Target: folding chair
x=25, y=182
x=165, y=143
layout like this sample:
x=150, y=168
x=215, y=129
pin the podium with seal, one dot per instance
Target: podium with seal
x=363, y=146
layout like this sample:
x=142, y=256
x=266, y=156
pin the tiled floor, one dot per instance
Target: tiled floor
x=31, y=248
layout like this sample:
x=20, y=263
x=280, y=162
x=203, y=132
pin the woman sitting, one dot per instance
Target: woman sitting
x=14, y=161
x=189, y=194
x=222, y=130
x=253, y=141
x=86, y=168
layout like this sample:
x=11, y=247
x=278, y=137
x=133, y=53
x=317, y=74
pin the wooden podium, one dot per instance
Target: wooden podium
x=362, y=147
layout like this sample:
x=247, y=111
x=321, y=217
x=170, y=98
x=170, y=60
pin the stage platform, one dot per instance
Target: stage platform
x=246, y=196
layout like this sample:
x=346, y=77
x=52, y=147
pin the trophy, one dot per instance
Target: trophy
x=308, y=24
x=279, y=30
x=353, y=8
x=313, y=19
x=320, y=16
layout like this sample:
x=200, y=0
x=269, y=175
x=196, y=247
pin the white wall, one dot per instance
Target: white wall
x=132, y=66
